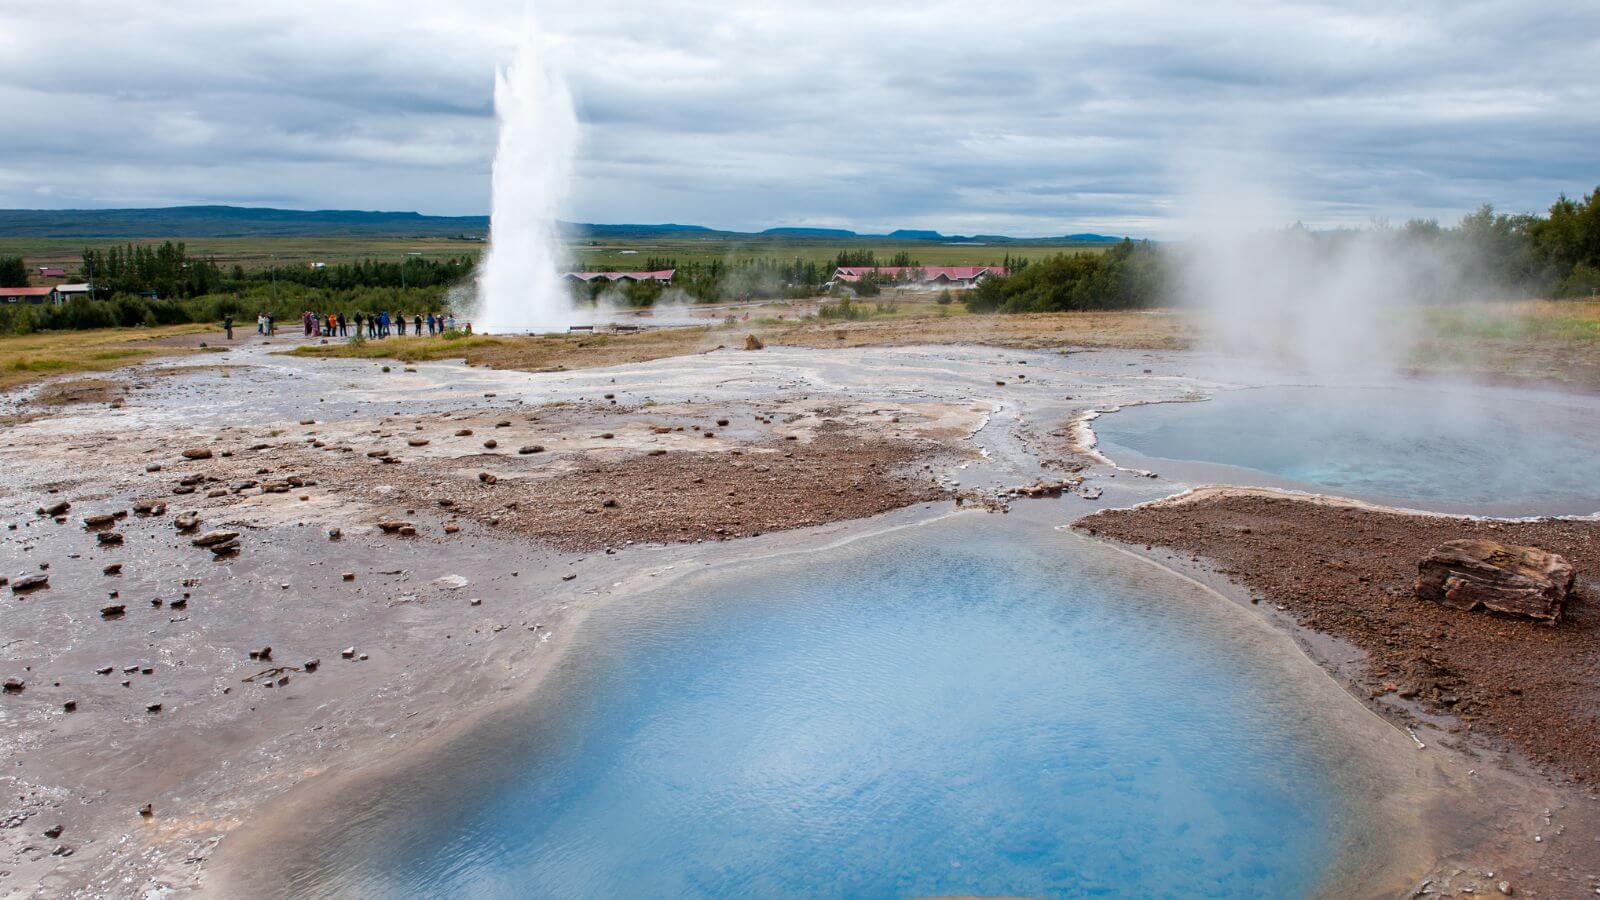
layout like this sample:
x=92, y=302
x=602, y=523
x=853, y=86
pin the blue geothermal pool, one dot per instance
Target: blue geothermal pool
x=1489, y=451
x=958, y=708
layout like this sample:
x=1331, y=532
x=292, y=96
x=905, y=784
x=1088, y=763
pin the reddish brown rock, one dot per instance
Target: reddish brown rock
x=1506, y=578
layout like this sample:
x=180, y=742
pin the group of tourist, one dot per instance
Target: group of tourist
x=371, y=325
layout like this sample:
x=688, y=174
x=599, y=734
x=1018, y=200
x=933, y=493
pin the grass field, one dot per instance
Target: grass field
x=28, y=358
x=257, y=253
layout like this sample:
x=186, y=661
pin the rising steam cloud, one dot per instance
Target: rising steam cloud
x=1331, y=304
x=519, y=286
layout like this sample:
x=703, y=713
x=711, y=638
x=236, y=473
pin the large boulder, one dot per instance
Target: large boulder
x=1477, y=574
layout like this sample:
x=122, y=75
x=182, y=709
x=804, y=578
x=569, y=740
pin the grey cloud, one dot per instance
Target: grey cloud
x=1032, y=117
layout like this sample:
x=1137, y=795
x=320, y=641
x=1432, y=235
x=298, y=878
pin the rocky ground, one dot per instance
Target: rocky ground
x=1490, y=682
x=228, y=574
x=395, y=547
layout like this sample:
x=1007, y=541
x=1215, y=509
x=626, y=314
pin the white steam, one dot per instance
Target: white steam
x=519, y=282
x=1333, y=304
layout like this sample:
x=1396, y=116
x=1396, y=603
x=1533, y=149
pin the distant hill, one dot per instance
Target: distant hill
x=243, y=221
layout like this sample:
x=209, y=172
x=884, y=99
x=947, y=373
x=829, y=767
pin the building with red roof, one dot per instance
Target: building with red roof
x=927, y=276
x=662, y=275
x=27, y=294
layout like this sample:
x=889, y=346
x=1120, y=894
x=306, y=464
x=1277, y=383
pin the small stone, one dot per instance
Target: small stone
x=153, y=708
x=55, y=509
x=393, y=526
x=569, y=576
x=215, y=538
x=334, y=534
x=14, y=685
x=348, y=652
x=417, y=442
x=465, y=432
x=348, y=576
x=109, y=538
x=1505, y=888
x=197, y=453
x=488, y=477
x=531, y=448
x=99, y=520
x=490, y=444
x=147, y=811
x=113, y=611
x=53, y=832
x=311, y=665
x=30, y=583
x=451, y=528
x=475, y=601
x=70, y=706
x=186, y=521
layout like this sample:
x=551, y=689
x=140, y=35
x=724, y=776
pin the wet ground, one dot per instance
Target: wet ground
x=452, y=609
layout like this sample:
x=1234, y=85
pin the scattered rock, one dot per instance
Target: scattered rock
x=146, y=811
x=464, y=432
x=395, y=526
x=28, y=583
x=311, y=665
x=349, y=576
x=53, y=832
x=1473, y=574
x=113, y=611
x=334, y=533
x=264, y=653
x=149, y=507
x=488, y=477
x=417, y=442
x=14, y=685
x=109, y=538
x=197, y=453
x=569, y=576
x=153, y=708
x=70, y=706
x=186, y=521
x=99, y=520
x=55, y=509
x=215, y=538
x=348, y=652
x=531, y=448
x=490, y=444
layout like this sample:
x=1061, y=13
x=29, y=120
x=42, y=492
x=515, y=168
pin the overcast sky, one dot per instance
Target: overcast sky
x=1016, y=117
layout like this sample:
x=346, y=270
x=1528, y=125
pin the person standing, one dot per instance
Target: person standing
x=227, y=325
x=400, y=324
x=416, y=324
x=343, y=332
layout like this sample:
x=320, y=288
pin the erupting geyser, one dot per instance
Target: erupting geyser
x=519, y=286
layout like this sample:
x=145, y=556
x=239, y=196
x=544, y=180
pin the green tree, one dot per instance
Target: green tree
x=13, y=272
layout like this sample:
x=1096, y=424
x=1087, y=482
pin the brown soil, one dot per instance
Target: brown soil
x=586, y=488
x=1349, y=571
x=80, y=390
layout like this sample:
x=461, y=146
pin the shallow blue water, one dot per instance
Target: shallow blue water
x=951, y=710
x=1492, y=451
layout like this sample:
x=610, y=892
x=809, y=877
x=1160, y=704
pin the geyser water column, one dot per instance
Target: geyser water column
x=519, y=283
